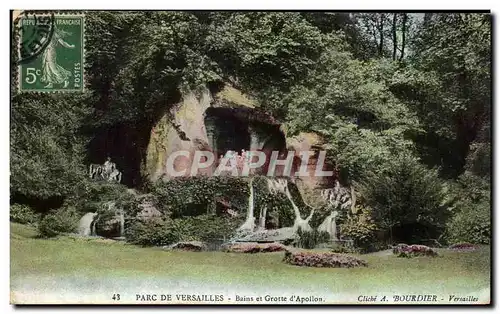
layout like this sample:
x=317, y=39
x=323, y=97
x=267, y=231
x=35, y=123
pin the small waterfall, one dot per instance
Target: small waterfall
x=262, y=218
x=122, y=224
x=281, y=186
x=249, y=223
x=334, y=229
x=86, y=225
x=330, y=225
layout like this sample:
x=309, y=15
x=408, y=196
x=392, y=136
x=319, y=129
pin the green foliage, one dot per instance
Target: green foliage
x=196, y=195
x=448, y=85
x=91, y=196
x=159, y=232
x=125, y=59
x=264, y=48
x=350, y=104
x=310, y=239
x=361, y=229
x=359, y=152
x=204, y=228
x=471, y=224
x=471, y=220
x=63, y=220
x=153, y=232
x=23, y=214
x=339, y=248
x=479, y=159
x=408, y=193
x=347, y=90
x=47, y=148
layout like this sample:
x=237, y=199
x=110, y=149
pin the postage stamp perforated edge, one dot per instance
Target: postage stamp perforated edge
x=16, y=44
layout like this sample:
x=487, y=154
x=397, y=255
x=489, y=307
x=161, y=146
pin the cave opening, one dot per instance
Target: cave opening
x=249, y=129
x=125, y=144
x=226, y=132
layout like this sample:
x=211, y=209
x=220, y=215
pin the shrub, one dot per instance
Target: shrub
x=204, y=228
x=470, y=224
x=195, y=195
x=340, y=248
x=152, y=232
x=404, y=250
x=160, y=232
x=310, y=239
x=361, y=229
x=90, y=196
x=407, y=194
x=23, y=214
x=471, y=220
x=255, y=247
x=322, y=259
x=63, y=220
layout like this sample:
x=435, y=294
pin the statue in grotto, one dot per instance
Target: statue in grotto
x=108, y=171
x=96, y=171
x=109, y=166
x=115, y=175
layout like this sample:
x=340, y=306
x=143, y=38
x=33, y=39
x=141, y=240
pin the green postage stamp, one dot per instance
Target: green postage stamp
x=50, y=52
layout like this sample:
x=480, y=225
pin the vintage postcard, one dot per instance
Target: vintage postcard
x=227, y=157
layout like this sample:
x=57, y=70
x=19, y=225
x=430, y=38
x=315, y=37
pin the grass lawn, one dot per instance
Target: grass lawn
x=100, y=262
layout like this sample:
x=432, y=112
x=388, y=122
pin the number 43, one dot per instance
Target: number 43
x=31, y=74
x=116, y=297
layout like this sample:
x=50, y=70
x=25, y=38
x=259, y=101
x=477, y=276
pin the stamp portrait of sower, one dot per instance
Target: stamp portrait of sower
x=52, y=72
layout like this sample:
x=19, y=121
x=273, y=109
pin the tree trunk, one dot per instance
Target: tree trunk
x=403, y=38
x=394, y=36
x=381, y=33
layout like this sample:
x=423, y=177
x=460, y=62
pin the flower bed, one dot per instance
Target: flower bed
x=322, y=259
x=404, y=250
x=193, y=246
x=463, y=247
x=254, y=247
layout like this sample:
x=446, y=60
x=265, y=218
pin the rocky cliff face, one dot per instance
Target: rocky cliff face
x=180, y=129
x=223, y=121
